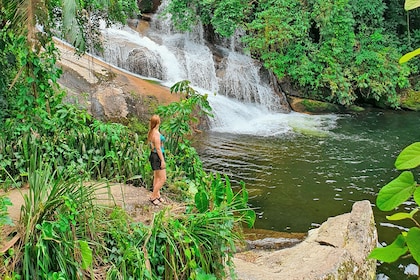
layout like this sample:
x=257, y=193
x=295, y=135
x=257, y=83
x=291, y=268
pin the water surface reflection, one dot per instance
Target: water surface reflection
x=313, y=171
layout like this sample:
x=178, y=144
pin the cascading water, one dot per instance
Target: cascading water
x=292, y=181
x=242, y=101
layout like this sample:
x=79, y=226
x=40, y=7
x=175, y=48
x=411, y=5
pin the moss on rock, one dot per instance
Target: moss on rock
x=355, y=108
x=411, y=100
x=312, y=106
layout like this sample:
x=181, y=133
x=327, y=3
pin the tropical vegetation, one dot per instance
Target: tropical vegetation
x=67, y=158
x=65, y=234
x=401, y=190
x=344, y=52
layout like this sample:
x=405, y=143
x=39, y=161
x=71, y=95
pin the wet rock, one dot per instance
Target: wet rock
x=106, y=92
x=143, y=62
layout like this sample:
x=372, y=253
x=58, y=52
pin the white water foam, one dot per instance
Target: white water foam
x=253, y=119
x=184, y=59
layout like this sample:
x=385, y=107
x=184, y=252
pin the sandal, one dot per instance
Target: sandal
x=161, y=199
x=153, y=201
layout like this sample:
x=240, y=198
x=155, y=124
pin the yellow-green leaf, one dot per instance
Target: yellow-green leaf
x=409, y=56
x=187, y=253
x=396, y=192
x=409, y=157
x=86, y=254
x=392, y=252
x=411, y=4
x=402, y=216
x=412, y=239
x=398, y=216
x=416, y=195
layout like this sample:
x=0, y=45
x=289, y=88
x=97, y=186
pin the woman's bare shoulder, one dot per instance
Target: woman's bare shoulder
x=155, y=136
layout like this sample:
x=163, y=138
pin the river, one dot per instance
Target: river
x=299, y=169
x=309, y=168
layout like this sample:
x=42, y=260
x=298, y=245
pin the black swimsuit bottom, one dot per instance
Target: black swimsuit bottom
x=155, y=160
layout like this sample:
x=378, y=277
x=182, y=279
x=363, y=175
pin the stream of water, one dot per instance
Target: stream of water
x=300, y=170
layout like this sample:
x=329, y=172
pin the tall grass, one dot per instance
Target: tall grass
x=65, y=234
x=59, y=225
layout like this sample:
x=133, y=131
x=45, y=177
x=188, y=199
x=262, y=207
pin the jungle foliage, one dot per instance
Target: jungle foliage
x=64, y=234
x=56, y=148
x=401, y=190
x=344, y=51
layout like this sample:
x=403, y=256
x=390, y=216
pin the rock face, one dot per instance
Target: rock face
x=337, y=250
x=108, y=93
x=110, y=102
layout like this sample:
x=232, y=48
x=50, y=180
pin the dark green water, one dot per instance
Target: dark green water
x=299, y=178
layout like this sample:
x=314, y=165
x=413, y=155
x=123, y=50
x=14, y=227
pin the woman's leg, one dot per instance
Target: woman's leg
x=162, y=177
x=159, y=178
x=154, y=180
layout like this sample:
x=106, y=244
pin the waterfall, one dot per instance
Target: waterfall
x=234, y=84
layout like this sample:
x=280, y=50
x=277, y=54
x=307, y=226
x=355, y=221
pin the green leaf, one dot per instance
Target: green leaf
x=409, y=157
x=390, y=253
x=402, y=216
x=396, y=192
x=417, y=196
x=250, y=218
x=398, y=216
x=219, y=191
x=47, y=230
x=86, y=254
x=229, y=192
x=201, y=201
x=244, y=192
x=187, y=253
x=411, y=4
x=412, y=239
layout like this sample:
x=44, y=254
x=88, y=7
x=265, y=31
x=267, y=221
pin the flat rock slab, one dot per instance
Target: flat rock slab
x=336, y=250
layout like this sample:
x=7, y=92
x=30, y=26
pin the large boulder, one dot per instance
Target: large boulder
x=337, y=250
x=106, y=92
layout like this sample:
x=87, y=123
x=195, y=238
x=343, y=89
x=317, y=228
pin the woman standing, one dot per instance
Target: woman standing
x=157, y=159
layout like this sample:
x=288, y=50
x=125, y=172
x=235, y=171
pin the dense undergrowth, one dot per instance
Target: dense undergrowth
x=344, y=52
x=64, y=234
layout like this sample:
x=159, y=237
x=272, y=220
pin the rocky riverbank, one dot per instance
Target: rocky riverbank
x=338, y=249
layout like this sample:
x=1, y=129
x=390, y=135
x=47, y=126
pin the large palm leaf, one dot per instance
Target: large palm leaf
x=73, y=20
x=27, y=17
